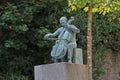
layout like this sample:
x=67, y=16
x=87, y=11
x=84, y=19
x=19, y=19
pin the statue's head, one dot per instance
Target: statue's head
x=63, y=21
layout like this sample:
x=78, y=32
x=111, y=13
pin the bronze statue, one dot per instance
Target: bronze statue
x=65, y=41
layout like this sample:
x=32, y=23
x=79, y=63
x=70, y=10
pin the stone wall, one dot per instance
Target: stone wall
x=112, y=66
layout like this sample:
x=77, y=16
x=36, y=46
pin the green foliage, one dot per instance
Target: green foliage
x=13, y=77
x=82, y=3
x=105, y=36
x=25, y=22
x=15, y=44
x=115, y=13
x=101, y=6
x=23, y=25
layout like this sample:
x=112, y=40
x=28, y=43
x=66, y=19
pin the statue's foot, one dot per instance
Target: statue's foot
x=69, y=61
x=55, y=60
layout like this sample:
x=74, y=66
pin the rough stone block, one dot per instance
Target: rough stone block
x=61, y=71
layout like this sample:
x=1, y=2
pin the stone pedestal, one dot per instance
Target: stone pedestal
x=78, y=56
x=61, y=71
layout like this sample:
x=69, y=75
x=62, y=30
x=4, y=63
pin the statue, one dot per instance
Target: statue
x=65, y=37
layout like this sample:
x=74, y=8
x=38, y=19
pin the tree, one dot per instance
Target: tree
x=93, y=5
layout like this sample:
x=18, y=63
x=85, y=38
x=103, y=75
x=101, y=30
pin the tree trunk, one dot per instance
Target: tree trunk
x=89, y=42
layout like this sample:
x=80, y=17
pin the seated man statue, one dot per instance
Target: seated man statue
x=65, y=37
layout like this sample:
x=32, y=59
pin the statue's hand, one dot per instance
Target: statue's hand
x=47, y=36
x=72, y=18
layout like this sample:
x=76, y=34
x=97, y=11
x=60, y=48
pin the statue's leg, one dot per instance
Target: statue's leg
x=70, y=52
x=55, y=60
x=62, y=59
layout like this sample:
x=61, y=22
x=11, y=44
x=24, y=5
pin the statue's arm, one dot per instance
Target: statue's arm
x=51, y=36
x=57, y=32
x=73, y=29
x=76, y=30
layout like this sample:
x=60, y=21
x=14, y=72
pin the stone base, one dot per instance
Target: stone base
x=61, y=71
